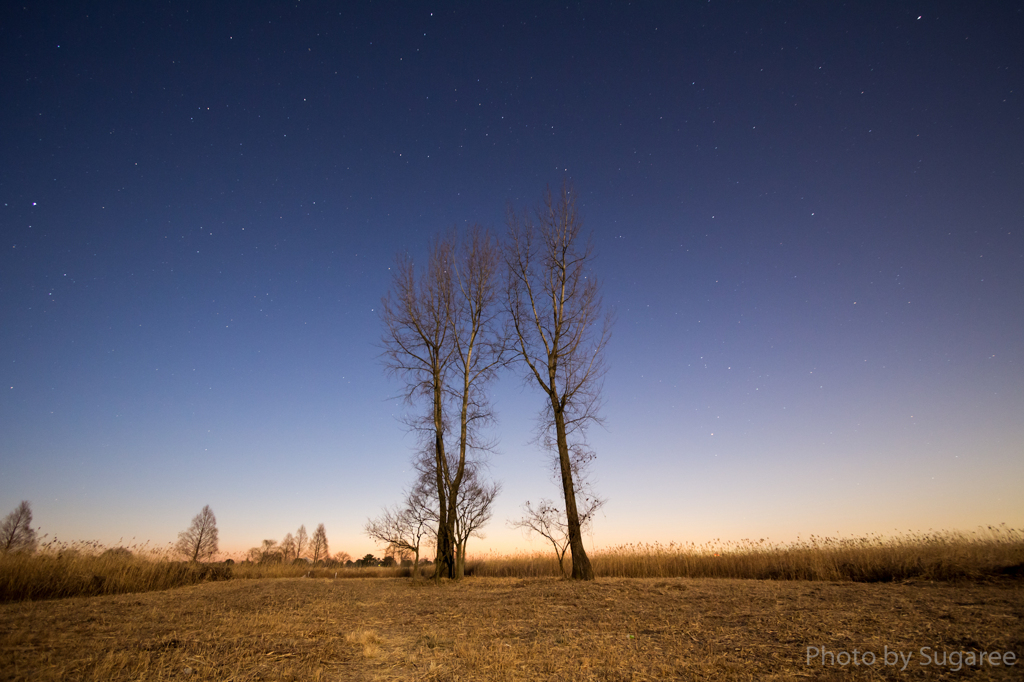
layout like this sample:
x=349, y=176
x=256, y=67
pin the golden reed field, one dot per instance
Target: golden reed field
x=918, y=607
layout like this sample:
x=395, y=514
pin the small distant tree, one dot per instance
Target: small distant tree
x=343, y=558
x=319, y=545
x=288, y=548
x=199, y=541
x=267, y=553
x=368, y=560
x=301, y=541
x=16, y=532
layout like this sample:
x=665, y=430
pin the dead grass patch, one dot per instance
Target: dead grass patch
x=508, y=629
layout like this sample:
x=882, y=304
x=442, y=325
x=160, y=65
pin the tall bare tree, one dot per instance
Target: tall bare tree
x=555, y=307
x=199, y=541
x=444, y=337
x=318, y=546
x=301, y=541
x=16, y=532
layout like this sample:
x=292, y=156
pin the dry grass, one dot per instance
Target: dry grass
x=507, y=629
x=69, y=570
x=61, y=570
x=944, y=555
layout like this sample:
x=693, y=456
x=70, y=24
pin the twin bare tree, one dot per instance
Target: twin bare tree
x=445, y=339
x=477, y=307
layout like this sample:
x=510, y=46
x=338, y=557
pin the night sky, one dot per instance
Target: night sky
x=808, y=219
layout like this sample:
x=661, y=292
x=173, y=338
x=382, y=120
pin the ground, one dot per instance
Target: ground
x=516, y=629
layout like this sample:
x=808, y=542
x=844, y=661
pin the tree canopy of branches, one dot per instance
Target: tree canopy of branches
x=287, y=548
x=472, y=506
x=16, y=532
x=472, y=512
x=548, y=521
x=403, y=529
x=444, y=338
x=560, y=335
x=199, y=541
x=318, y=545
x=267, y=553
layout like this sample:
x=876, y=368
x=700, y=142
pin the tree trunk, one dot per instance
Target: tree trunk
x=444, y=566
x=581, y=568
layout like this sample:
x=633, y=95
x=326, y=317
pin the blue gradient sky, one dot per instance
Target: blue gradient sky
x=808, y=220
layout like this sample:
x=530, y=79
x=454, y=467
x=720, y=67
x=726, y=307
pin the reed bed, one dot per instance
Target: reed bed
x=88, y=569
x=255, y=571
x=84, y=569
x=60, y=570
x=936, y=555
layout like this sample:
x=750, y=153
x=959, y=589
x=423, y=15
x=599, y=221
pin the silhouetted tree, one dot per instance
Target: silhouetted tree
x=319, y=544
x=267, y=553
x=301, y=540
x=199, y=541
x=560, y=335
x=16, y=532
x=287, y=548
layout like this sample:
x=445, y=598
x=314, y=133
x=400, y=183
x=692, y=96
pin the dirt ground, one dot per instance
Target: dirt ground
x=516, y=629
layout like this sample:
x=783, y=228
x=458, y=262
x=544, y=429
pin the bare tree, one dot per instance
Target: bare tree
x=560, y=335
x=199, y=541
x=287, y=548
x=301, y=540
x=342, y=557
x=472, y=511
x=404, y=529
x=548, y=521
x=16, y=532
x=319, y=544
x=472, y=506
x=444, y=338
x=267, y=553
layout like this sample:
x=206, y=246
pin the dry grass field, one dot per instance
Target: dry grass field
x=514, y=629
x=911, y=607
